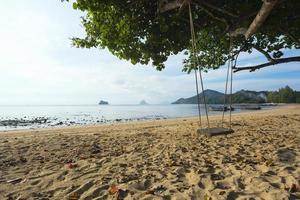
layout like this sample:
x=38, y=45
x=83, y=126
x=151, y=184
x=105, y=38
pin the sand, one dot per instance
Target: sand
x=163, y=159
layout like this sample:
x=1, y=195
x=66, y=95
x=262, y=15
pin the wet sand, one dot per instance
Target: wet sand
x=163, y=159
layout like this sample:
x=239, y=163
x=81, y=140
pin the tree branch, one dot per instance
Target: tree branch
x=240, y=30
x=166, y=5
x=223, y=11
x=268, y=56
x=214, y=16
x=274, y=62
x=261, y=16
x=237, y=32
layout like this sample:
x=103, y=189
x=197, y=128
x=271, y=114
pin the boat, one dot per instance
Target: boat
x=250, y=107
x=221, y=108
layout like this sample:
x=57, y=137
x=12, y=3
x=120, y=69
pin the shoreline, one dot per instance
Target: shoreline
x=133, y=121
x=163, y=159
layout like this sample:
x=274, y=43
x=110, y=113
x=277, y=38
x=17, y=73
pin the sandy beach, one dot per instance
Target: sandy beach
x=163, y=159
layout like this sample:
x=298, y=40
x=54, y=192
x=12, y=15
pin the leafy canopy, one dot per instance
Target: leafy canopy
x=134, y=29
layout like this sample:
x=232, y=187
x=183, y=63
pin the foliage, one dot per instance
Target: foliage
x=284, y=95
x=246, y=96
x=273, y=97
x=297, y=96
x=136, y=31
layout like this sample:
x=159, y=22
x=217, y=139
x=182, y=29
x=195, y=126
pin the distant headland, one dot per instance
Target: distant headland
x=283, y=95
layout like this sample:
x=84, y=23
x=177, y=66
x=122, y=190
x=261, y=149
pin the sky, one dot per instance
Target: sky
x=38, y=65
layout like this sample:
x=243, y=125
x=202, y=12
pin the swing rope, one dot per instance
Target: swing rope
x=195, y=65
x=225, y=93
x=230, y=99
x=230, y=68
x=196, y=60
x=197, y=89
x=204, y=99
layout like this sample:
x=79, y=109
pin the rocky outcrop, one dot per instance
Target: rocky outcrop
x=143, y=102
x=103, y=102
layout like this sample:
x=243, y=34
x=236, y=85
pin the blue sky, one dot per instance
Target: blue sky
x=39, y=66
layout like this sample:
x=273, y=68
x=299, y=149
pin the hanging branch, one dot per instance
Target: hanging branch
x=274, y=62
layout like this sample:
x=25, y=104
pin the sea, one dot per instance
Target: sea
x=43, y=116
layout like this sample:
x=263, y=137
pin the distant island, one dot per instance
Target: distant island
x=103, y=102
x=283, y=95
x=143, y=102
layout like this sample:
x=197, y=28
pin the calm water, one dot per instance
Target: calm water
x=24, y=117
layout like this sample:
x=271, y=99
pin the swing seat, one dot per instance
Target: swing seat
x=214, y=131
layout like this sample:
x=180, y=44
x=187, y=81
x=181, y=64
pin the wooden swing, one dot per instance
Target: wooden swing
x=210, y=131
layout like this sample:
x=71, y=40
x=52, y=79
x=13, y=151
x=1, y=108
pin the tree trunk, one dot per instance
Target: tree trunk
x=165, y=5
x=261, y=16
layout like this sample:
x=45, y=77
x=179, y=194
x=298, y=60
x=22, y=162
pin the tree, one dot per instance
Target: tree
x=297, y=97
x=149, y=31
x=287, y=95
x=283, y=95
x=273, y=97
